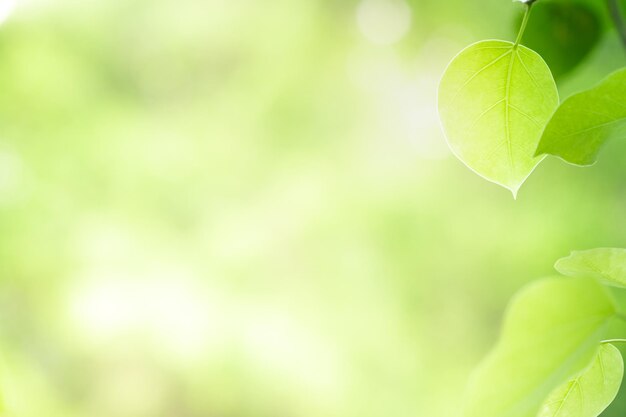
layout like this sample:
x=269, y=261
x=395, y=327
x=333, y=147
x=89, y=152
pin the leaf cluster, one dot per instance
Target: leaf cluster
x=552, y=358
x=501, y=115
x=499, y=104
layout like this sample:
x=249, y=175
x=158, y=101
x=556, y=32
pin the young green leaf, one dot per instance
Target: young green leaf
x=563, y=33
x=591, y=392
x=495, y=99
x=605, y=264
x=551, y=333
x=585, y=121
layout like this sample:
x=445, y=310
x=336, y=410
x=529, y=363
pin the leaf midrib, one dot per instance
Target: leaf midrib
x=601, y=125
x=507, y=112
x=570, y=389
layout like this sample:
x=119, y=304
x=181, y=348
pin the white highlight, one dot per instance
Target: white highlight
x=11, y=175
x=384, y=22
x=6, y=9
x=164, y=307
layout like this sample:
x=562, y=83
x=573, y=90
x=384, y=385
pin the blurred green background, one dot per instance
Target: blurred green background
x=237, y=208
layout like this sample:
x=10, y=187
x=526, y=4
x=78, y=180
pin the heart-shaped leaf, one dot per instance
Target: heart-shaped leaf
x=563, y=33
x=591, y=392
x=551, y=332
x=605, y=264
x=585, y=121
x=495, y=99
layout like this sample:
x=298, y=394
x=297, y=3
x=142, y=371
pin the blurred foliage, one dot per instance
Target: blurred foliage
x=236, y=208
x=563, y=33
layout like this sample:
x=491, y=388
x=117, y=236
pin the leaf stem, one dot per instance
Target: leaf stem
x=613, y=341
x=618, y=19
x=529, y=5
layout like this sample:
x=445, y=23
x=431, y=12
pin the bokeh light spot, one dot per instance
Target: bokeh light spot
x=384, y=22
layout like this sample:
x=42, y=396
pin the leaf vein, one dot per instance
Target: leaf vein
x=480, y=71
x=523, y=113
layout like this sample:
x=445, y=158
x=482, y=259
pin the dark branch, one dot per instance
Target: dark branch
x=618, y=19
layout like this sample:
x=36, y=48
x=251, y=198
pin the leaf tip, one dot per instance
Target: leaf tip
x=514, y=189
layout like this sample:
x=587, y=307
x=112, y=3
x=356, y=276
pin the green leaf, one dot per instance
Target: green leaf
x=591, y=392
x=605, y=264
x=585, y=121
x=563, y=34
x=551, y=333
x=495, y=99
